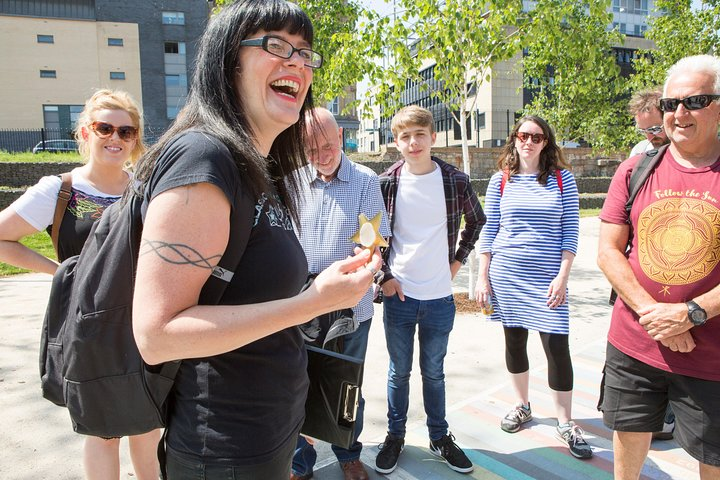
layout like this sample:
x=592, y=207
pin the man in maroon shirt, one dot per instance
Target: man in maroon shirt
x=664, y=338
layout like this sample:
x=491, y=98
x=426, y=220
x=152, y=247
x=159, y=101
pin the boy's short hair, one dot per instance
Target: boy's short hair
x=412, y=116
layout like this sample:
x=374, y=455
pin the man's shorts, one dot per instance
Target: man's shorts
x=634, y=396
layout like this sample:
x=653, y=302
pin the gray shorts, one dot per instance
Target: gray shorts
x=634, y=396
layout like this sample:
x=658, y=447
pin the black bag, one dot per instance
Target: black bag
x=333, y=396
x=641, y=172
x=89, y=361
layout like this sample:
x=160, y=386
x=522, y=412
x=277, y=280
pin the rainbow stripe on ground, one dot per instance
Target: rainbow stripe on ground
x=533, y=452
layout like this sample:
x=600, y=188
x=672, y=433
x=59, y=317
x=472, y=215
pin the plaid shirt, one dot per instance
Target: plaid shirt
x=460, y=199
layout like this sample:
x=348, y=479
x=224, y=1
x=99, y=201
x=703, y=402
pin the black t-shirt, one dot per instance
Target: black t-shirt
x=239, y=407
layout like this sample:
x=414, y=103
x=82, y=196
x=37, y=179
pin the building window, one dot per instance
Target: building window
x=480, y=120
x=173, y=18
x=115, y=42
x=117, y=75
x=334, y=106
x=45, y=39
x=175, y=47
x=172, y=113
x=48, y=74
x=61, y=117
x=172, y=80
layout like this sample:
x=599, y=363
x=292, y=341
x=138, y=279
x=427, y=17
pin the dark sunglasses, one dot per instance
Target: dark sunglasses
x=654, y=130
x=536, y=137
x=694, y=102
x=105, y=130
x=280, y=48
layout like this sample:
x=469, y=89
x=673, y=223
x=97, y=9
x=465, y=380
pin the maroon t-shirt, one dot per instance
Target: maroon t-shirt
x=675, y=255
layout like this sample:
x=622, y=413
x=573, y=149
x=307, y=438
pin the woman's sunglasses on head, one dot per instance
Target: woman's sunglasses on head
x=694, y=102
x=535, y=137
x=105, y=130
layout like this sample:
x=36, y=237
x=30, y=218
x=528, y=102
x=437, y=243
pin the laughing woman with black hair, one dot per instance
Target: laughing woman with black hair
x=239, y=395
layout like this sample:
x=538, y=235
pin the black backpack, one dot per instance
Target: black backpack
x=89, y=360
x=641, y=172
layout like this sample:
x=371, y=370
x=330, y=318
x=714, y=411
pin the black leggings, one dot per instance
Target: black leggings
x=557, y=351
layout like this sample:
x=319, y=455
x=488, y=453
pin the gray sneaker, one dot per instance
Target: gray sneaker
x=516, y=417
x=572, y=436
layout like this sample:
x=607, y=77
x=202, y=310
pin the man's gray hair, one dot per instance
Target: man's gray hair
x=708, y=64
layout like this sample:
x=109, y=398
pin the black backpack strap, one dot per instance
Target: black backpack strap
x=241, y=223
x=638, y=177
x=641, y=172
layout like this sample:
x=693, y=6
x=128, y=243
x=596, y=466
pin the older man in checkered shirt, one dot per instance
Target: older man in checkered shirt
x=335, y=191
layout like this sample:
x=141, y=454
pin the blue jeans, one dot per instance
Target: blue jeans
x=434, y=320
x=355, y=345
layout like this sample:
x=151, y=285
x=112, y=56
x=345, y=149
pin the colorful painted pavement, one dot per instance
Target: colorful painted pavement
x=534, y=452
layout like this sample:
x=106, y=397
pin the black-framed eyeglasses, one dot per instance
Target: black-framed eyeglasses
x=535, y=137
x=105, y=130
x=694, y=102
x=281, y=48
x=654, y=130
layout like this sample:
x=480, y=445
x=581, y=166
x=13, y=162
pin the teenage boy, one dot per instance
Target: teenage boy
x=425, y=200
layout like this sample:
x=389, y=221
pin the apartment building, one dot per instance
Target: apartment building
x=56, y=53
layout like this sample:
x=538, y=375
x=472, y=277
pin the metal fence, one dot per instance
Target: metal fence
x=23, y=140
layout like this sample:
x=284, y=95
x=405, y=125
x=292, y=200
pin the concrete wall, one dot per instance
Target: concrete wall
x=583, y=162
x=592, y=172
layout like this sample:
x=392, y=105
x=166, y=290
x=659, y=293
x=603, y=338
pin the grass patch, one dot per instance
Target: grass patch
x=40, y=242
x=589, y=212
x=42, y=157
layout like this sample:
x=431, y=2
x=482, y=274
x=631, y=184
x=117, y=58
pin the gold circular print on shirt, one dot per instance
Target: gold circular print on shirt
x=679, y=240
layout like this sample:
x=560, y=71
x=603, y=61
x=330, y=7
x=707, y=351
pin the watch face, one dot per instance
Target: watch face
x=698, y=316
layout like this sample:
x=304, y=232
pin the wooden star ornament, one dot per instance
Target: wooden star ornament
x=368, y=235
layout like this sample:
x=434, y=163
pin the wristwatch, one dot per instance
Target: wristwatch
x=696, y=314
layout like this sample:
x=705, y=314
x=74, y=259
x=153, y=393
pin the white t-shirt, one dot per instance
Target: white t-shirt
x=37, y=205
x=641, y=147
x=418, y=256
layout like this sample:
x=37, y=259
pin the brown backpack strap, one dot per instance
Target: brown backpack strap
x=62, y=201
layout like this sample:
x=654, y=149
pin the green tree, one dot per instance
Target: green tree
x=462, y=38
x=572, y=73
x=679, y=31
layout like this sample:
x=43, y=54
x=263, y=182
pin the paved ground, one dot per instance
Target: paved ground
x=37, y=442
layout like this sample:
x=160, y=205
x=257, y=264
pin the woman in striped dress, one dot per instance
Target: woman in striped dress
x=525, y=252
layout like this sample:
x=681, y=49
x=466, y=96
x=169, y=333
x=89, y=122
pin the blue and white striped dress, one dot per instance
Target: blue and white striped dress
x=527, y=229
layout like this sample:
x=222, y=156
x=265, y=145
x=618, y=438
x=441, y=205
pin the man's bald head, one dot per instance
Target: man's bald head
x=324, y=142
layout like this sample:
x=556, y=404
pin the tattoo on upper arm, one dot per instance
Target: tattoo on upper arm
x=178, y=254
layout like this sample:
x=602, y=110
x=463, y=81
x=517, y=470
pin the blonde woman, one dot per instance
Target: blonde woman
x=109, y=135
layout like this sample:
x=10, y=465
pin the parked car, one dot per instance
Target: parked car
x=56, y=146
